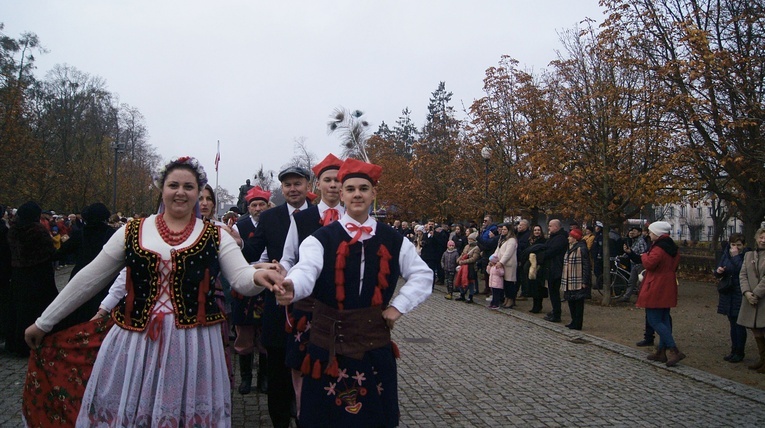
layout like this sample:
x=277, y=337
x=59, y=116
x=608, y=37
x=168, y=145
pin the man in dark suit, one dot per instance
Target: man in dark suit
x=555, y=252
x=270, y=236
x=245, y=310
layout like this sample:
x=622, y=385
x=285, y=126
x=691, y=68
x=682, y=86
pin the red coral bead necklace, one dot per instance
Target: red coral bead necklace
x=171, y=237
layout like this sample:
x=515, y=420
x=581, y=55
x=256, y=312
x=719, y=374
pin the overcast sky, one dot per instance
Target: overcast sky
x=257, y=75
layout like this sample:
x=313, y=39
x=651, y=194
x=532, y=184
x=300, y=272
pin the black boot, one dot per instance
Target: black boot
x=536, y=307
x=737, y=356
x=729, y=356
x=262, y=378
x=245, y=368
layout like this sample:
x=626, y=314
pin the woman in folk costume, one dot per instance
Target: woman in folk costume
x=164, y=363
x=351, y=267
x=576, y=277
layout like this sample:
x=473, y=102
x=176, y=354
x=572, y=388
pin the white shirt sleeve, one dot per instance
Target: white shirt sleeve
x=235, y=268
x=92, y=278
x=117, y=291
x=305, y=273
x=418, y=277
x=291, y=245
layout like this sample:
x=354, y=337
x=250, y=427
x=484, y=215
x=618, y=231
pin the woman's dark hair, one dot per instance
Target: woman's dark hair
x=212, y=193
x=188, y=168
x=737, y=237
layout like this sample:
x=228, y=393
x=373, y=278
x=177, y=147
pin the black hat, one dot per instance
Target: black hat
x=294, y=170
x=29, y=212
x=96, y=213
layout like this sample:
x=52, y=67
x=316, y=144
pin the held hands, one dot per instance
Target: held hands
x=720, y=270
x=271, y=276
x=33, y=336
x=285, y=292
x=627, y=249
x=267, y=277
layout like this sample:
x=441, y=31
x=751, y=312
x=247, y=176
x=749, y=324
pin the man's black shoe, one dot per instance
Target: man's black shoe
x=245, y=387
x=645, y=342
x=552, y=318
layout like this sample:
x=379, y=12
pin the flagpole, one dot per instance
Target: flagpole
x=215, y=191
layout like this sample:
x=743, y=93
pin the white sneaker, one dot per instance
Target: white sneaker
x=488, y=299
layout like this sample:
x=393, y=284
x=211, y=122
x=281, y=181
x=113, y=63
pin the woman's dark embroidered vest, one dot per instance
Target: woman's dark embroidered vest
x=192, y=282
x=330, y=238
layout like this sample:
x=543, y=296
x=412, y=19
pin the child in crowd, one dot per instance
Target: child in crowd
x=466, y=277
x=496, y=273
x=449, y=265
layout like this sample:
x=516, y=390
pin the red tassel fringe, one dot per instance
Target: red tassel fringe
x=382, y=275
x=302, y=324
x=289, y=323
x=316, y=374
x=342, y=254
x=377, y=299
x=305, y=368
x=396, y=352
x=332, y=368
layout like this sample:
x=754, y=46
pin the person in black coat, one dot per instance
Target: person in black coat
x=555, y=251
x=523, y=233
x=531, y=261
x=5, y=276
x=85, y=243
x=33, y=282
x=433, y=246
x=729, y=302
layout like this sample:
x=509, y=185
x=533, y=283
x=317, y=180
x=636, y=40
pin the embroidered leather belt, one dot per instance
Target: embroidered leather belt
x=350, y=332
x=305, y=305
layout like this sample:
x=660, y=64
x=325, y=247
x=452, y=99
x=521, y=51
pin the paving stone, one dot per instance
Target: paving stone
x=466, y=366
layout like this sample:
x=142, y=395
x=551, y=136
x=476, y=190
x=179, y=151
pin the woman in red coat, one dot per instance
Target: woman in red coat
x=658, y=293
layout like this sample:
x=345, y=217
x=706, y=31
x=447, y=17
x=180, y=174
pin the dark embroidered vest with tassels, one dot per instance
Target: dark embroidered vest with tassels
x=192, y=282
x=380, y=268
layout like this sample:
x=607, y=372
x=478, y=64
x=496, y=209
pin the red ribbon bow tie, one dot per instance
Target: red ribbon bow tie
x=359, y=230
x=330, y=215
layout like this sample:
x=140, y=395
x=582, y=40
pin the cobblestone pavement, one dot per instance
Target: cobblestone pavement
x=467, y=366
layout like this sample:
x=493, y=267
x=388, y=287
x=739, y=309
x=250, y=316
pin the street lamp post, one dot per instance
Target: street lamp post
x=486, y=155
x=118, y=148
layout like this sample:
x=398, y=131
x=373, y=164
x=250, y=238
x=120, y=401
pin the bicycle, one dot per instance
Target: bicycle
x=620, y=275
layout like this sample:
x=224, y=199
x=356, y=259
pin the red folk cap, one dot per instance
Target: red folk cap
x=257, y=193
x=329, y=162
x=355, y=168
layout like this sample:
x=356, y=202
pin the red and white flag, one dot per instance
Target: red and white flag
x=217, y=157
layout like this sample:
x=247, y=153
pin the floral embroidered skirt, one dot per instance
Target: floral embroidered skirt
x=179, y=379
x=58, y=373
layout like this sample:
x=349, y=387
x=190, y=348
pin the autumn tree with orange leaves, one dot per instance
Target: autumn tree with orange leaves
x=57, y=137
x=708, y=57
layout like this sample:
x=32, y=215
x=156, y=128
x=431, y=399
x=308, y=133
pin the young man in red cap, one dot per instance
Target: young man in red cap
x=305, y=223
x=351, y=267
x=243, y=309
